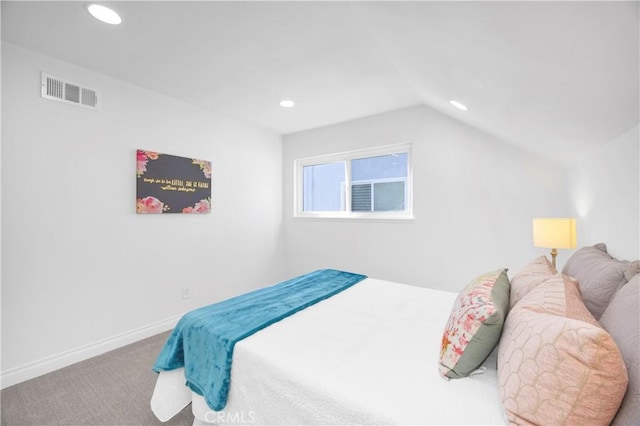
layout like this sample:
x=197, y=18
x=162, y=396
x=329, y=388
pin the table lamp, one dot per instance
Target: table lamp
x=554, y=233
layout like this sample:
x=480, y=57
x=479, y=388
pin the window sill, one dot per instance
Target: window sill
x=356, y=218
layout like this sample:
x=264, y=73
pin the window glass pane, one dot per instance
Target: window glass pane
x=382, y=167
x=368, y=183
x=323, y=187
x=389, y=196
x=361, y=198
x=386, y=177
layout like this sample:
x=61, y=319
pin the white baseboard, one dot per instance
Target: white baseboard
x=37, y=368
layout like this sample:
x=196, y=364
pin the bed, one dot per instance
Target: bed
x=370, y=355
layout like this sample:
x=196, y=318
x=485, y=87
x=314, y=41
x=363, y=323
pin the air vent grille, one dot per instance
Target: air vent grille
x=61, y=90
x=89, y=97
x=72, y=93
x=55, y=88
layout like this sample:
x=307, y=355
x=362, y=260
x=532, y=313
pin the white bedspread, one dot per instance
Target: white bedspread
x=368, y=355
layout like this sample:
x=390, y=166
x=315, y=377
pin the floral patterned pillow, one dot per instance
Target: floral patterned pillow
x=475, y=324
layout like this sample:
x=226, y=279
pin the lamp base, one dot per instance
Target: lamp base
x=554, y=253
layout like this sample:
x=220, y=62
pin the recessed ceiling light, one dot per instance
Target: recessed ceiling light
x=287, y=103
x=458, y=105
x=104, y=14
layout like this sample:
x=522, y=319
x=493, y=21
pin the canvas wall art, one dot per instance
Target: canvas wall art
x=171, y=184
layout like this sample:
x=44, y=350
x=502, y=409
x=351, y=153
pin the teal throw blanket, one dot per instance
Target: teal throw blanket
x=203, y=339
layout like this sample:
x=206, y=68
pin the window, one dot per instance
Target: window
x=373, y=183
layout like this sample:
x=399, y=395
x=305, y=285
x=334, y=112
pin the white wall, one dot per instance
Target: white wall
x=604, y=193
x=82, y=273
x=474, y=199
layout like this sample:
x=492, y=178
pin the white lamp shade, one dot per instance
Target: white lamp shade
x=559, y=233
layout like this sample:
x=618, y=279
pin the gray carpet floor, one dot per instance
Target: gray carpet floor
x=111, y=389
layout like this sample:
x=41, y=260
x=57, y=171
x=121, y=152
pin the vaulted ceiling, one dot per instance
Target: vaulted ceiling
x=556, y=78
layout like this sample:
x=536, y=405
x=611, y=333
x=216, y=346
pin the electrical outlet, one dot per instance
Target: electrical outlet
x=186, y=292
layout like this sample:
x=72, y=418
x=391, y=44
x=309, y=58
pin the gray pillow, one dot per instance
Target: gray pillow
x=632, y=270
x=622, y=320
x=598, y=274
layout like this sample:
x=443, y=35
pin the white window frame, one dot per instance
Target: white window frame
x=298, y=185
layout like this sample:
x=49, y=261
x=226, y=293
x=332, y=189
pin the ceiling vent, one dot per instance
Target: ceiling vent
x=60, y=90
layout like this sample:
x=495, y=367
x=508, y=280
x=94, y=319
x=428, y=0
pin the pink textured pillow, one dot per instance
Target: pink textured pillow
x=531, y=275
x=556, y=364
